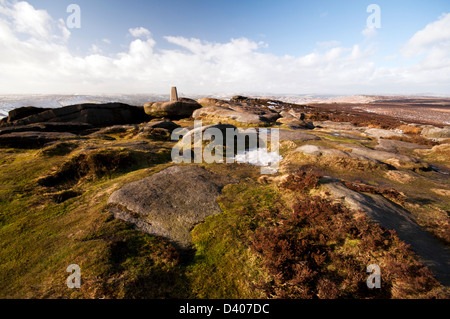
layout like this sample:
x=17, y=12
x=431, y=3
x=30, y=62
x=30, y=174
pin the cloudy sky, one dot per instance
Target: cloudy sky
x=225, y=46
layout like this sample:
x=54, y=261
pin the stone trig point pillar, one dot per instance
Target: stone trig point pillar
x=174, y=95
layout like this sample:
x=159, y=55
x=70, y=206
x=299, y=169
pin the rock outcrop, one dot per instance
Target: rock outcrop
x=182, y=108
x=170, y=203
x=294, y=120
x=164, y=124
x=397, y=160
x=380, y=133
x=22, y=112
x=32, y=139
x=391, y=216
x=217, y=110
x=395, y=146
x=436, y=133
x=95, y=114
x=74, y=128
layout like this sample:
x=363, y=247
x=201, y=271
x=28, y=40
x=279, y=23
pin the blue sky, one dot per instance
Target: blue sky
x=284, y=47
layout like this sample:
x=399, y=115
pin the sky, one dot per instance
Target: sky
x=225, y=47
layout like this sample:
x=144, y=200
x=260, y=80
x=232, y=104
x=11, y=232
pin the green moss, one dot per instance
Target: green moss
x=39, y=238
x=224, y=266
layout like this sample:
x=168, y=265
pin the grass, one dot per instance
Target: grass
x=269, y=241
x=41, y=237
x=275, y=242
x=224, y=266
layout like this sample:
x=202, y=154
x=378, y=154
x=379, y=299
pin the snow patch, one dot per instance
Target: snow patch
x=258, y=157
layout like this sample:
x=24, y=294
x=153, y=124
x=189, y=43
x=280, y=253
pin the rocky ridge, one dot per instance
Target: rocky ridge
x=103, y=140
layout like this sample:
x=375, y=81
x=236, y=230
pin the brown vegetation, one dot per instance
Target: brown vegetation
x=96, y=164
x=321, y=250
x=413, y=138
x=390, y=193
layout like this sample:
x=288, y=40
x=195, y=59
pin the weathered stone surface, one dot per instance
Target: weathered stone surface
x=240, y=98
x=321, y=151
x=219, y=110
x=340, y=126
x=350, y=136
x=94, y=114
x=286, y=135
x=32, y=139
x=394, y=146
x=206, y=133
x=322, y=156
x=115, y=129
x=432, y=252
x=25, y=111
x=182, y=108
x=436, y=133
x=168, y=125
x=217, y=113
x=292, y=114
x=397, y=160
x=207, y=102
x=296, y=123
x=170, y=203
x=47, y=127
x=326, y=151
x=378, y=133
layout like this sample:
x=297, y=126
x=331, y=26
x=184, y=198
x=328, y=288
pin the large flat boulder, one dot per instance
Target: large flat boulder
x=25, y=111
x=394, y=159
x=170, y=203
x=380, y=133
x=395, y=146
x=222, y=111
x=197, y=135
x=436, y=133
x=94, y=114
x=286, y=135
x=183, y=108
x=164, y=124
x=339, y=126
x=47, y=127
x=32, y=139
x=432, y=252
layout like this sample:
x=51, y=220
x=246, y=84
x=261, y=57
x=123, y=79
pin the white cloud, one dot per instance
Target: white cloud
x=369, y=32
x=140, y=32
x=42, y=62
x=31, y=21
x=328, y=44
x=95, y=49
x=435, y=35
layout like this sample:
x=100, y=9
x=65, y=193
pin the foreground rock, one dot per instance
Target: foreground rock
x=170, y=203
x=433, y=253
